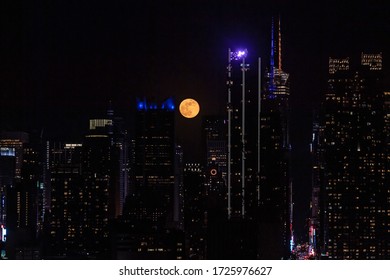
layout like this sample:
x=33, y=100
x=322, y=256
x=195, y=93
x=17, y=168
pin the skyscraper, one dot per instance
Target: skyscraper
x=214, y=136
x=238, y=229
x=7, y=179
x=97, y=189
x=259, y=185
x=67, y=196
x=88, y=183
x=24, y=213
x=194, y=211
x=354, y=147
x=238, y=172
x=316, y=232
x=155, y=161
x=275, y=152
x=120, y=158
x=151, y=226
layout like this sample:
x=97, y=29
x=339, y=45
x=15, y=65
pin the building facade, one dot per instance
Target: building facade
x=66, y=201
x=275, y=157
x=152, y=222
x=354, y=154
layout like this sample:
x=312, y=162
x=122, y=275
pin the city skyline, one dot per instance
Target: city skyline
x=68, y=68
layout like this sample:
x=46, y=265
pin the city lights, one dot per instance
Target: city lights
x=133, y=132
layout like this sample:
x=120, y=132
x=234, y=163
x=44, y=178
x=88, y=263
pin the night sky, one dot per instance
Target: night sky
x=61, y=61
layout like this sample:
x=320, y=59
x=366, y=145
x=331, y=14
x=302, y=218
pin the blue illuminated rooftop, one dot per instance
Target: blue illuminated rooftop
x=145, y=105
x=8, y=152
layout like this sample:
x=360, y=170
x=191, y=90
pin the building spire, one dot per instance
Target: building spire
x=272, y=47
x=280, y=48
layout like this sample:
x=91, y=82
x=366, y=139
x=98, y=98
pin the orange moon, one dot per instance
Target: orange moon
x=189, y=108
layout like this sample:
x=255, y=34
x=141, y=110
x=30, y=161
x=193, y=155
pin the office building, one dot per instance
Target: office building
x=24, y=214
x=355, y=156
x=275, y=184
x=65, y=234
x=7, y=179
x=155, y=161
x=195, y=211
x=214, y=129
x=316, y=232
x=152, y=222
x=97, y=191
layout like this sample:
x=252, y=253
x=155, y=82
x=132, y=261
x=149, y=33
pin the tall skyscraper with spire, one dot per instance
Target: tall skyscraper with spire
x=259, y=220
x=275, y=152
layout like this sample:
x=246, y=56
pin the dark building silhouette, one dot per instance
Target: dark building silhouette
x=259, y=185
x=152, y=221
x=24, y=214
x=89, y=182
x=214, y=129
x=155, y=161
x=178, y=192
x=353, y=147
x=65, y=234
x=214, y=195
x=120, y=159
x=194, y=213
x=97, y=190
x=316, y=232
x=7, y=179
x=275, y=218
x=228, y=235
x=238, y=171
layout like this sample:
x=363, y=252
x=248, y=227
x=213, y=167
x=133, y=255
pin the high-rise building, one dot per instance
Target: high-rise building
x=316, y=232
x=387, y=119
x=112, y=126
x=237, y=229
x=275, y=152
x=259, y=185
x=237, y=144
x=97, y=193
x=120, y=158
x=194, y=214
x=7, y=179
x=66, y=186
x=155, y=161
x=214, y=135
x=152, y=221
x=355, y=155
x=83, y=193
x=89, y=185
x=178, y=192
x=24, y=215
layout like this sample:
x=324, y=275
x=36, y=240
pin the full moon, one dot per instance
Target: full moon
x=189, y=108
